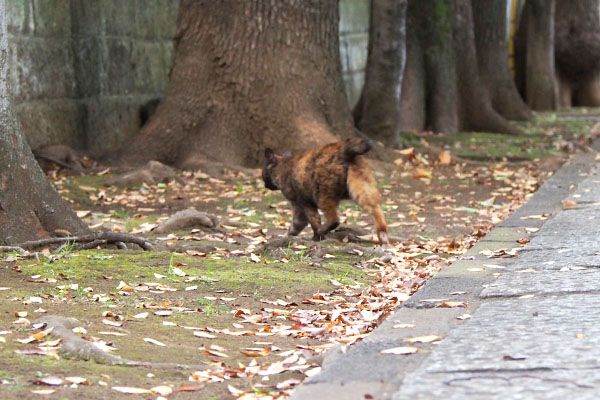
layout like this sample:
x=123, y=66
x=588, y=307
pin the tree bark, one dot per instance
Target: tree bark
x=540, y=84
x=577, y=51
x=476, y=110
x=455, y=98
x=492, y=59
x=30, y=208
x=412, y=99
x=248, y=75
x=436, y=22
x=378, y=109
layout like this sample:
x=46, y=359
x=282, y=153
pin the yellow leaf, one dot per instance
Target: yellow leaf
x=422, y=173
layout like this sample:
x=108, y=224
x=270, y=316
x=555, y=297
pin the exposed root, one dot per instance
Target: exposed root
x=342, y=234
x=8, y=249
x=187, y=219
x=77, y=348
x=103, y=237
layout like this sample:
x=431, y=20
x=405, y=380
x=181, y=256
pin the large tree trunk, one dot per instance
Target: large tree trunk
x=29, y=207
x=492, y=59
x=248, y=74
x=476, y=110
x=455, y=98
x=540, y=83
x=577, y=51
x=377, y=113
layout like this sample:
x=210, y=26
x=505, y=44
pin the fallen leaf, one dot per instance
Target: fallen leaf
x=569, y=203
x=156, y=342
x=162, y=390
x=77, y=380
x=423, y=339
x=445, y=158
x=453, y=304
x=404, y=326
x=216, y=353
x=204, y=335
x=400, y=350
x=43, y=391
x=422, y=173
x=131, y=390
x=49, y=381
x=189, y=388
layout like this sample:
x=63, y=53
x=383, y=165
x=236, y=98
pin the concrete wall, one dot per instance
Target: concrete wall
x=81, y=69
x=354, y=40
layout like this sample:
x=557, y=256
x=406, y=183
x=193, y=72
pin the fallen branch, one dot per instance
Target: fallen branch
x=80, y=349
x=106, y=236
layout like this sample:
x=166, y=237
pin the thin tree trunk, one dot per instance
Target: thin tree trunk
x=412, y=102
x=247, y=75
x=436, y=23
x=492, y=59
x=540, y=85
x=30, y=208
x=379, y=114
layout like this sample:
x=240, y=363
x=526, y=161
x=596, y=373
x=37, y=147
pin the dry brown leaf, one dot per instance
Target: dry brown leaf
x=216, y=353
x=444, y=158
x=260, y=353
x=422, y=173
x=189, y=388
x=453, y=304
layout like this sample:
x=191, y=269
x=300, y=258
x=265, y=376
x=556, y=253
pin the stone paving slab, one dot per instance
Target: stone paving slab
x=557, y=258
x=579, y=384
x=544, y=282
x=531, y=338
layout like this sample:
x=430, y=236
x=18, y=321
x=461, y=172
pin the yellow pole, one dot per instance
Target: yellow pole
x=514, y=6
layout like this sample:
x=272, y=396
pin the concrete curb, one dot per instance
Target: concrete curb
x=364, y=373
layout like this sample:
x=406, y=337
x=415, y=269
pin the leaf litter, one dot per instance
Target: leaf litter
x=436, y=226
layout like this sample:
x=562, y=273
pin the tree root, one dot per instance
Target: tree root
x=80, y=349
x=8, y=249
x=103, y=237
x=342, y=234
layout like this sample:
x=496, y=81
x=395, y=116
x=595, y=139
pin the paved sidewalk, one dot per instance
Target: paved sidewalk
x=535, y=326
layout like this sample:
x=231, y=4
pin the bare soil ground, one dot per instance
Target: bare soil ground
x=244, y=312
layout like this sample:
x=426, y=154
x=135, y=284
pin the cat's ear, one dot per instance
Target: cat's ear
x=269, y=154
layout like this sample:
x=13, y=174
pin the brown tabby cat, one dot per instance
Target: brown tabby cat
x=319, y=179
